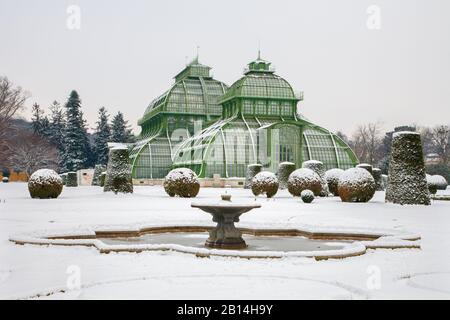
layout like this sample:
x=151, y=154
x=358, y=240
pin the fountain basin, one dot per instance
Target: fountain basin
x=225, y=213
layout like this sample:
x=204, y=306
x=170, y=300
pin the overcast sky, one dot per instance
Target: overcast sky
x=127, y=52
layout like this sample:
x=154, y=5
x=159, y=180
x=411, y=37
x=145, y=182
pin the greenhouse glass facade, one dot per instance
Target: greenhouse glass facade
x=253, y=121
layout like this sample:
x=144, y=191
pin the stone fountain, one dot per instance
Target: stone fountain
x=225, y=213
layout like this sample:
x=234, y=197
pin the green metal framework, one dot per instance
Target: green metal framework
x=173, y=117
x=260, y=124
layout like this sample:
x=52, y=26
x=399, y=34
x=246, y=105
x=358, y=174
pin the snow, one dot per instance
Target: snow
x=355, y=176
x=400, y=133
x=185, y=174
x=265, y=177
x=304, y=174
x=45, y=176
x=333, y=174
x=32, y=271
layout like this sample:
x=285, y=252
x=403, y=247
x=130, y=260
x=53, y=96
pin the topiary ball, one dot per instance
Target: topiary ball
x=440, y=182
x=366, y=166
x=303, y=179
x=318, y=167
x=182, y=182
x=307, y=196
x=5, y=179
x=265, y=183
x=332, y=177
x=45, y=184
x=356, y=185
x=252, y=171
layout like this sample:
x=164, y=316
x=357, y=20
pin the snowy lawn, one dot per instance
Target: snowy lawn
x=38, y=271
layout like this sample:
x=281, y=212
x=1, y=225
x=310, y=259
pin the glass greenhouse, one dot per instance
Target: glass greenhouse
x=223, y=130
x=173, y=117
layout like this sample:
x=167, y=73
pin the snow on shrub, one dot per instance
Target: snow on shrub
x=118, y=172
x=252, y=170
x=99, y=168
x=265, y=183
x=317, y=167
x=376, y=173
x=332, y=178
x=182, y=182
x=307, y=196
x=5, y=179
x=72, y=180
x=303, y=179
x=45, y=184
x=407, y=183
x=356, y=185
x=435, y=183
x=366, y=166
x=284, y=171
x=384, y=179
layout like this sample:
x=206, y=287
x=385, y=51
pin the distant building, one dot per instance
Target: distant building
x=202, y=124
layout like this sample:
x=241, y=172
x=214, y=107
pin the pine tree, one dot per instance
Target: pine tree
x=76, y=144
x=101, y=137
x=36, y=120
x=57, y=125
x=120, y=130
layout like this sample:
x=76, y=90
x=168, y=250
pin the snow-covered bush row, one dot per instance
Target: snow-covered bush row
x=265, y=183
x=252, y=170
x=407, y=183
x=45, y=184
x=64, y=178
x=332, y=177
x=317, y=167
x=356, y=185
x=304, y=179
x=72, y=180
x=307, y=196
x=102, y=179
x=118, y=172
x=182, y=182
x=284, y=171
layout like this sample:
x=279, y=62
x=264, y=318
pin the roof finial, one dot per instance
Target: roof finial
x=259, y=49
x=198, y=49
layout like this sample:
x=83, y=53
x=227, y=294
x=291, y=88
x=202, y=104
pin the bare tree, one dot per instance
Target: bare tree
x=31, y=152
x=12, y=99
x=366, y=143
x=440, y=138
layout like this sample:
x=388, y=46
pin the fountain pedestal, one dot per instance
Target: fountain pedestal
x=225, y=213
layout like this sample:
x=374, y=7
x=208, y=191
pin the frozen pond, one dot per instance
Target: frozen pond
x=256, y=243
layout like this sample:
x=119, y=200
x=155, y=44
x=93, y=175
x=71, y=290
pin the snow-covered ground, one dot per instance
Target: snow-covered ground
x=37, y=271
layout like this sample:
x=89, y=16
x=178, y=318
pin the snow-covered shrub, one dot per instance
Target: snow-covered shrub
x=356, y=185
x=366, y=166
x=5, y=179
x=307, y=196
x=265, y=183
x=72, y=180
x=407, y=183
x=317, y=167
x=332, y=178
x=45, y=184
x=182, y=182
x=435, y=183
x=440, y=182
x=102, y=179
x=252, y=170
x=284, y=171
x=99, y=168
x=432, y=187
x=376, y=173
x=118, y=172
x=304, y=179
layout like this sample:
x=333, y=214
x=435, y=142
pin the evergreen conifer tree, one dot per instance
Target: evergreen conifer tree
x=76, y=144
x=120, y=131
x=101, y=137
